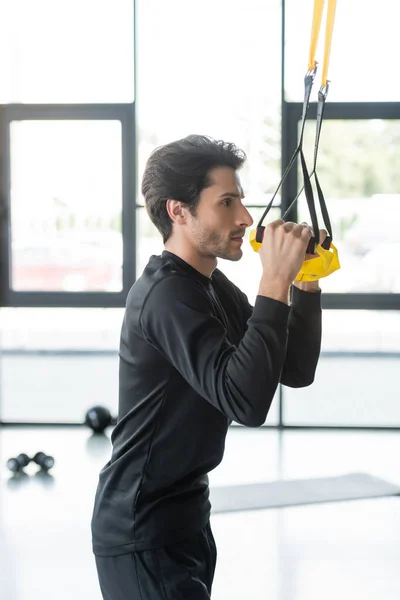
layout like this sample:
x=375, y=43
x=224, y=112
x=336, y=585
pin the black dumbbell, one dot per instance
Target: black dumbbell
x=98, y=418
x=16, y=465
x=44, y=461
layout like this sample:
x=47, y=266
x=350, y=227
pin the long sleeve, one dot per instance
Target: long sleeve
x=304, y=341
x=304, y=336
x=178, y=320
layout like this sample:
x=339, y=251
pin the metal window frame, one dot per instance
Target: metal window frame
x=125, y=114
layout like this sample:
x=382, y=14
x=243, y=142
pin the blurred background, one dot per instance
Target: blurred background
x=88, y=89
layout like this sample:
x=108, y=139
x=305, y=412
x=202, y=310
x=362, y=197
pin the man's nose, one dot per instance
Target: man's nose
x=245, y=218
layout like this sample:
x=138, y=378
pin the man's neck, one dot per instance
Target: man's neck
x=204, y=264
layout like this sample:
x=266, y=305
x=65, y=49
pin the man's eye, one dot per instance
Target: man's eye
x=227, y=202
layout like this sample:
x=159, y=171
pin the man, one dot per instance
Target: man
x=194, y=356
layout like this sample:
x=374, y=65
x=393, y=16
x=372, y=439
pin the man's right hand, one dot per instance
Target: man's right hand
x=282, y=253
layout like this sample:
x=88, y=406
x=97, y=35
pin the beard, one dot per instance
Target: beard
x=211, y=244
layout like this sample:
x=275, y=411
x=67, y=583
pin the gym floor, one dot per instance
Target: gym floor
x=339, y=550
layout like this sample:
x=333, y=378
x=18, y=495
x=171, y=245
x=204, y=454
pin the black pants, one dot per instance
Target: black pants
x=181, y=571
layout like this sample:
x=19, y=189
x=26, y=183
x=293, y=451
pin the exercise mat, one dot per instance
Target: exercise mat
x=296, y=492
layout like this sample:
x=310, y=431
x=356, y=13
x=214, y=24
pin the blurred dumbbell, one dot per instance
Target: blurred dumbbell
x=98, y=418
x=16, y=465
x=44, y=461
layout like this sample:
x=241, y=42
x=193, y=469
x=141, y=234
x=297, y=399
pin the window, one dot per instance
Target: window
x=69, y=51
x=364, y=44
x=58, y=362
x=357, y=376
x=358, y=172
x=66, y=205
x=217, y=71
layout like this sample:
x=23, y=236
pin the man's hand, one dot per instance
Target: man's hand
x=282, y=253
x=311, y=286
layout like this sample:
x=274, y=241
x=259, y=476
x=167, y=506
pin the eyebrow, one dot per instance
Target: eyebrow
x=230, y=195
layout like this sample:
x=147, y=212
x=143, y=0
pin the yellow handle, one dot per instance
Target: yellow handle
x=253, y=242
x=326, y=263
x=312, y=269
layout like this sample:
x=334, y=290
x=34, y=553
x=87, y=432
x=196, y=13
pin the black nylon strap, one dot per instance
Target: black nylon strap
x=260, y=233
x=324, y=210
x=308, y=83
x=320, y=115
x=307, y=187
x=322, y=94
x=310, y=198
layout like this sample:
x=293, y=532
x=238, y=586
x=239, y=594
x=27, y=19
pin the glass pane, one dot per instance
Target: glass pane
x=66, y=202
x=69, y=51
x=357, y=377
x=358, y=53
x=342, y=395
x=228, y=88
x=361, y=331
x=358, y=172
x=57, y=363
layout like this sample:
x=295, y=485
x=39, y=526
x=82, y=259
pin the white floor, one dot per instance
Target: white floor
x=340, y=550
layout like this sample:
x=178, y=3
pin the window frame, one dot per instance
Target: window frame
x=125, y=114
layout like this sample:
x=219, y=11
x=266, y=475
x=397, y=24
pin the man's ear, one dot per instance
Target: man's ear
x=177, y=211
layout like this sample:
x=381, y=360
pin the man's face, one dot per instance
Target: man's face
x=218, y=227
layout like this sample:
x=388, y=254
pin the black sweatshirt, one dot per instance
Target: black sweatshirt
x=194, y=356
